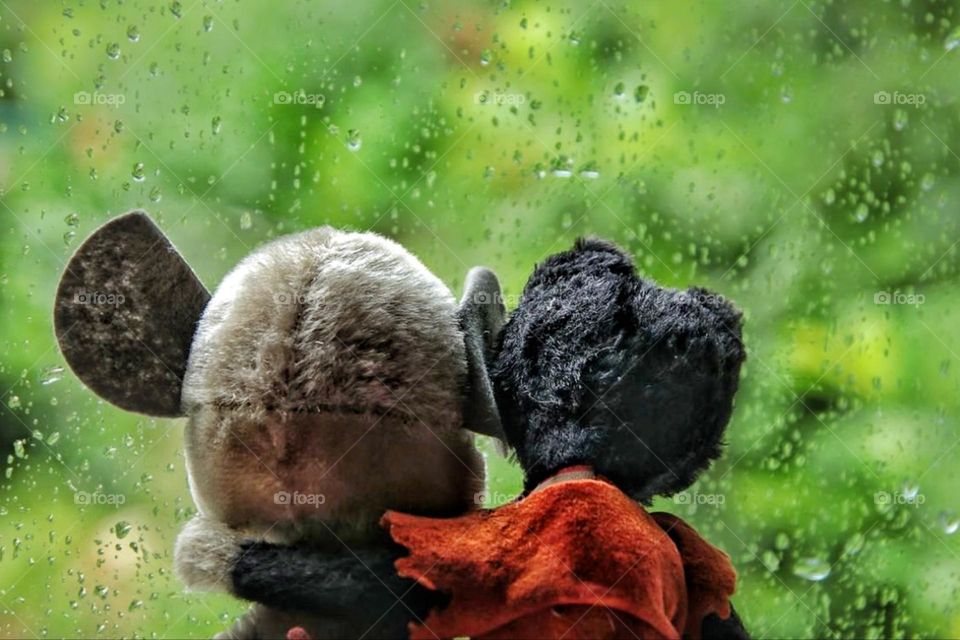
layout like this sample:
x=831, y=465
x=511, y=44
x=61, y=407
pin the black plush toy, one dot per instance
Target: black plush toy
x=609, y=388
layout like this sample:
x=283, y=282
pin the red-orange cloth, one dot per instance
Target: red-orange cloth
x=577, y=559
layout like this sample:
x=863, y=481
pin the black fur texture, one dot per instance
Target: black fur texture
x=598, y=366
x=359, y=589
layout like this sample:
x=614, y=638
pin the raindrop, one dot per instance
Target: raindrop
x=138, y=172
x=812, y=569
x=176, y=9
x=953, y=40
x=353, y=139
x=122, y=528
x=51, y=375
x=900, y=119
x=7, y=55
x=208, y=23
x=618, y=89
x=485, y=57
x=216, y=124
x=72, y=219
x=862, y=212
x=113, y=50
x=155, y=195
x=949, y=522
x=133, y=33
x=910, y=491
x=574, y=38
x=641, y=92
x=19, y=449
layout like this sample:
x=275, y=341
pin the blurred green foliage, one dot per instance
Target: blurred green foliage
x=798, y=157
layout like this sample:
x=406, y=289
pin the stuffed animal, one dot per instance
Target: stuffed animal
x=611, y=390
x=330, y=377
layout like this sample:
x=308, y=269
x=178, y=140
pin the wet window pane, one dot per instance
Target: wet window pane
x=801, y=159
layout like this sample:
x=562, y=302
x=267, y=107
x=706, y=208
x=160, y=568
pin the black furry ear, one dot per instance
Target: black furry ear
x=481, y=318
x=125, y=314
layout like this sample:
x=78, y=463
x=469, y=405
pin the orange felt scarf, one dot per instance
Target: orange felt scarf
x=575, y=559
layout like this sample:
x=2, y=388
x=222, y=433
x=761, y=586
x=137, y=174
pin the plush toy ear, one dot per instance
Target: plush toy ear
x=126, y=312
x=481, y=318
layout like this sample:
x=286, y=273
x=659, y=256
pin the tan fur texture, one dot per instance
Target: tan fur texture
x=329, y=366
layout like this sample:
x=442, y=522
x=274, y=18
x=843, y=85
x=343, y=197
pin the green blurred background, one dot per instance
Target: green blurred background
x=739, y=146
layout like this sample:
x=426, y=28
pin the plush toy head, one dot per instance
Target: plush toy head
x=598, y=366
x=328, y=378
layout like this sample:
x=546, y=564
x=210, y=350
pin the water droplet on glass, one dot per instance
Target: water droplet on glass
x=813, y=569
x=618, y=89
x=641, y=92
x=353, y=139
x=862, y=212
x=216, y=124
x=72, y=219
x=19, y=449
x=113, y=50
x=953, y=40
x=176, y=9
x=574, y=38
x=7, y=55
x=246, y=220
x=900, y=119
x=51, y=375
x=208, y=23
x=485, y=57
x=910, y=491
x=155, y=195
x=138, y=172
x=122, y=528
x=949, y=522
x=133, y=33
x=53, y=438
x=927, y=182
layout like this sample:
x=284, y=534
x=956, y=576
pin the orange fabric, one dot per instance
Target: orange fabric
x=578, y=559
x=710, y=578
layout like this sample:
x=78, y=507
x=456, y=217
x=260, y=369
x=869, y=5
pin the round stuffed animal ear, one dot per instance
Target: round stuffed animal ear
x=125, y=314
x=481, y=318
